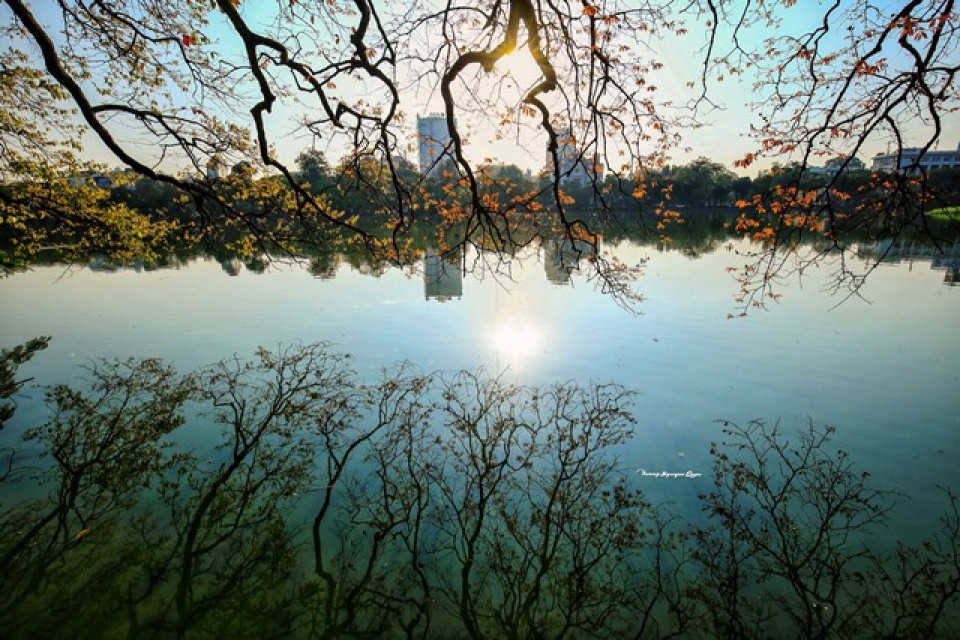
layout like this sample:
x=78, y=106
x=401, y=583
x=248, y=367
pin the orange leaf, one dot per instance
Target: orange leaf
x=589, y=10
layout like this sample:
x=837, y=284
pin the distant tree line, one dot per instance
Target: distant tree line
x=147, y=221
x=360, y=188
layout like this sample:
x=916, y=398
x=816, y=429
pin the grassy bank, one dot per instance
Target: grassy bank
x=946, y=213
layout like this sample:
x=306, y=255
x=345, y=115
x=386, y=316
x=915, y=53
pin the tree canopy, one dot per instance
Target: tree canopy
x=174, y=89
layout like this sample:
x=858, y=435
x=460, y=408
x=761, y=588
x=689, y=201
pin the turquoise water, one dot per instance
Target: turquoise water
x=883, y=368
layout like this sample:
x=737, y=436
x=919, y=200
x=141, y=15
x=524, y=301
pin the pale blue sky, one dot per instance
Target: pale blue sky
x=723, y=136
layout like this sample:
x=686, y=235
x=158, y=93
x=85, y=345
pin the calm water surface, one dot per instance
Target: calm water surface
x=885, y=369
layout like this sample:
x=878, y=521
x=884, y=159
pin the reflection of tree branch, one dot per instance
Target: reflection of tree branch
x=785, y=515
x=104, y=449
x=450, y=504
x=11, y=360
x=917, y=586
x=262, y=465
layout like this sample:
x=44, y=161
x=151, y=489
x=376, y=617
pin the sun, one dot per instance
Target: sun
x=521, y=67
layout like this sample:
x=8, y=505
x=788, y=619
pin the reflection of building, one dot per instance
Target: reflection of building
x=945, y=258
x=561, y=257
x=232, y=266
x=442, y=276
x=101, y=263
x=433, y=138
x=573, y=167
x=903, y=249
x=951, y=270
x=910, y=158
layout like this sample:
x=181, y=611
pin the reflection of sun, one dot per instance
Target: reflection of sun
x=516, y=338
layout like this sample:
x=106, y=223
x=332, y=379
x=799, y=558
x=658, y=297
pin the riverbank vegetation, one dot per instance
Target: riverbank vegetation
x=153, y=217
x=946, y=213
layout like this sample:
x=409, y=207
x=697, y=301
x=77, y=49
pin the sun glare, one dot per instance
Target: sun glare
x=520, y=66
x=516, y=338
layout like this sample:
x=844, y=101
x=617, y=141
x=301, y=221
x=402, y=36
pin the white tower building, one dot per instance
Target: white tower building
x=433, y=138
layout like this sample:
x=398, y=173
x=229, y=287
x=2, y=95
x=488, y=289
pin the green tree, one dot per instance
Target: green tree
x=243, y=169
x=846, y=163
x=741, y=187
x=945, y=184
x=314, y=170
x=702, y=182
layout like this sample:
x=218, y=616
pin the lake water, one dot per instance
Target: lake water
x=883, y=369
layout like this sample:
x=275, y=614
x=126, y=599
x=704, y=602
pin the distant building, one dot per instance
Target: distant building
x=824, y=171
x=91, y=179
x=573, y=167
x=433, y=139
x=910, y=159
x=216, y=168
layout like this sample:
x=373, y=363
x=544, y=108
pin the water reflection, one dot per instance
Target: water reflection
x=945, y=256
x=517, y=338
x=950, y=268
x=232, y=266
x=223, y=541
x=565, y=260
x=563, y=257
x=442, y=275
x=440, y=505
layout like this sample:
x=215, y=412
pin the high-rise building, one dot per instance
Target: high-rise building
x=573, y=168
x=433, y=138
